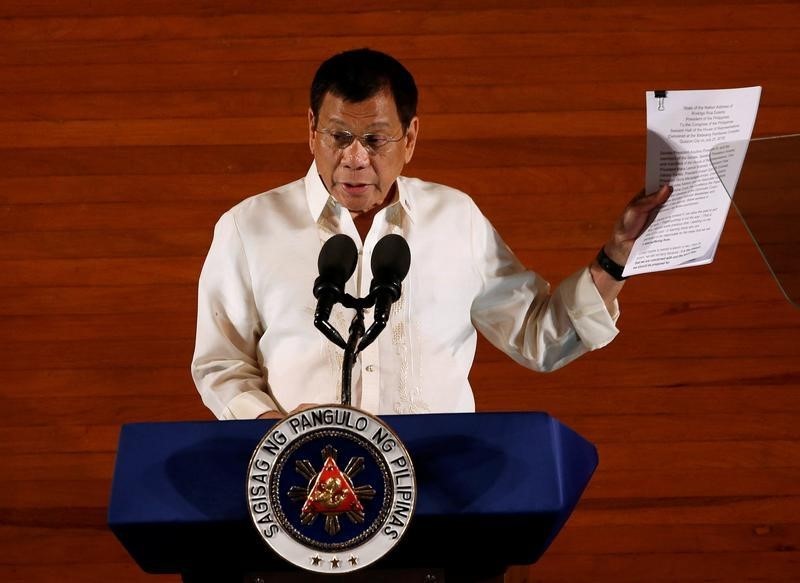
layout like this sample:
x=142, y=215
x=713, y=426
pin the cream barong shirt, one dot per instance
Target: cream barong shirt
x=257, y=348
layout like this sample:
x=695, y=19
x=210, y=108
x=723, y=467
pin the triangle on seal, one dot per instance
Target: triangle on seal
x=332, y=492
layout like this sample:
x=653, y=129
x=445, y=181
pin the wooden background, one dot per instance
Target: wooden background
x=128, y=127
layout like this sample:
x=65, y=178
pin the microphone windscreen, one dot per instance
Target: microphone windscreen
x=337, y=259
x=391, y=259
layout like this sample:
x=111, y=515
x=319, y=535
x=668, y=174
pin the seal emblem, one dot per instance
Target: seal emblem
x=331, y=489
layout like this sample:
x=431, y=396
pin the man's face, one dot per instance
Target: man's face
x=360, y=178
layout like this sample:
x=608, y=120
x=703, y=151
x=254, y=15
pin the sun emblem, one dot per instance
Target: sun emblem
x=331, y=492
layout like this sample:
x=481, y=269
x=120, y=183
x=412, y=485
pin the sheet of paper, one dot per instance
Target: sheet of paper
x=682, y=129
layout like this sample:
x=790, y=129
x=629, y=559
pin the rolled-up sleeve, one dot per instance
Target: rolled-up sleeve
x=594, y=323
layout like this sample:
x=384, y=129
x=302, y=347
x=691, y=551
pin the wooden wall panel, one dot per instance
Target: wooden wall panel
x=127, y=128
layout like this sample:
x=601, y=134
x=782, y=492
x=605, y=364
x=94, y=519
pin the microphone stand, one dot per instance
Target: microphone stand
x=350, y=351
x=356, y=340
x=351, y=347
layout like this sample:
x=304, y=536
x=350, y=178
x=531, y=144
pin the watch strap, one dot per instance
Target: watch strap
x=610, y=266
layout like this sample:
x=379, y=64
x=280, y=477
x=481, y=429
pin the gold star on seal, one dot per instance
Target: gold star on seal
x=353, y=560
x=316, y=560
x=335, y=563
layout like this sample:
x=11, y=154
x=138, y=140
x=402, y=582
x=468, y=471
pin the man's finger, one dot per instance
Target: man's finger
x=654, y=198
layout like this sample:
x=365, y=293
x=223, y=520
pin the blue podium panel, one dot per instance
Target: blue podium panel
x=493, y=488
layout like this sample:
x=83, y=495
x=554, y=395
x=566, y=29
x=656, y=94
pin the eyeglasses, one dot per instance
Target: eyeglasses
x=341, y=139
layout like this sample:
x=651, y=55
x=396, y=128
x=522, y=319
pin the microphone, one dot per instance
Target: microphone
x=391, y=260
x=337, y=262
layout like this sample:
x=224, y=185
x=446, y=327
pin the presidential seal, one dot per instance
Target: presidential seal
x=331, y=489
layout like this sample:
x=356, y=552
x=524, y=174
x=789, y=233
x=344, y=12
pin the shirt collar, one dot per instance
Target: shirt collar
x=406, y=198
x=316, y=193
x=318, y=196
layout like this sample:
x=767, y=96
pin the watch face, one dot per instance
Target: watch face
x=331, y=489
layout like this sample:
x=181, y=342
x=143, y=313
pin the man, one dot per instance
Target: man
x=257, y=352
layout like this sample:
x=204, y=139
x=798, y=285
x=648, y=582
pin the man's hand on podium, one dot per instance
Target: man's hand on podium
x=279, y=415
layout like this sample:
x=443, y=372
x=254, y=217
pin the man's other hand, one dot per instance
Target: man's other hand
x=636, y=217
x=279, y=415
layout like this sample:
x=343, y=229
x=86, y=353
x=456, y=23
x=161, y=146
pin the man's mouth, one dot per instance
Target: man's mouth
x=355, y=188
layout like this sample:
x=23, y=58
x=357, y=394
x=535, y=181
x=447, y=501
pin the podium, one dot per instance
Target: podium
x=494, y=489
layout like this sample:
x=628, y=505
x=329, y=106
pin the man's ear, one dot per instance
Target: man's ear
x=411, y=138
x=311, y=125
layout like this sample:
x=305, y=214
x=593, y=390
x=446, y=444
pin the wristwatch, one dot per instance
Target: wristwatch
x=610, y=266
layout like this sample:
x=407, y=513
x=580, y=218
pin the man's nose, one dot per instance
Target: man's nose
x=355, y=156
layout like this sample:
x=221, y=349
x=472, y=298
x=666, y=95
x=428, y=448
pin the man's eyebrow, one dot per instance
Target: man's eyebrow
x=373, y=126
x=336, y=121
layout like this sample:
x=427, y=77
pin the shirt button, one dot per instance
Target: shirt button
x=370, y=368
